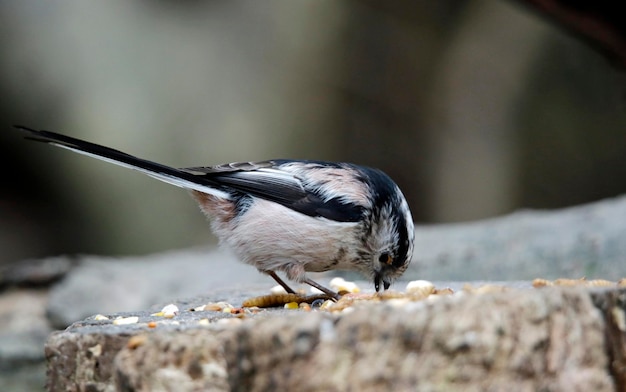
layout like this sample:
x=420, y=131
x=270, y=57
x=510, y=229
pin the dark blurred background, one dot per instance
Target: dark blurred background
x=475, y=108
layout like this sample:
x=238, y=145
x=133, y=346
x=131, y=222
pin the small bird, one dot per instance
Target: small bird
x=289, y=216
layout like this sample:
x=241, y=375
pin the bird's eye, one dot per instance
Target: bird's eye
x=385, y=258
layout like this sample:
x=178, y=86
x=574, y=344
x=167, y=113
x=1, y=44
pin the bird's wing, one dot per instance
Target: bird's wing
x=270, y=180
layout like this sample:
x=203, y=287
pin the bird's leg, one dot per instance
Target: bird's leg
x=331, y=294
x=280, y=281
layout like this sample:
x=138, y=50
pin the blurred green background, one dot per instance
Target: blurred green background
x=476, y=109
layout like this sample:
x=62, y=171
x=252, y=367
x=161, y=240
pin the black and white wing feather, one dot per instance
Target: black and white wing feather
x=281, y=181
x=284, y=182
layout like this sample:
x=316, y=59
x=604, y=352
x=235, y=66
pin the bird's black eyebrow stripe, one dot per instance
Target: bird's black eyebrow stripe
x=380, y=183
x=386, y=193
x=403, y=243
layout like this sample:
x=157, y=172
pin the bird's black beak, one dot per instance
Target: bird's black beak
x=377, y=279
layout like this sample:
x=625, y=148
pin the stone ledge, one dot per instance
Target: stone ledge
x=549, y=339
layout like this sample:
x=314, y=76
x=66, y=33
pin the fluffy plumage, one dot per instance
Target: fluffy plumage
x=292, y=216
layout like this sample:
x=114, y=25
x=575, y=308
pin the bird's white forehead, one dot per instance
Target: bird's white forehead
x=384, y=229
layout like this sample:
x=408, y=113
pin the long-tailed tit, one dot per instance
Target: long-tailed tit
x=292, y=216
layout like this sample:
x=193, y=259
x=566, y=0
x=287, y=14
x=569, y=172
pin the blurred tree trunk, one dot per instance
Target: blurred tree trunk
x=471, y=121
x=601, y=24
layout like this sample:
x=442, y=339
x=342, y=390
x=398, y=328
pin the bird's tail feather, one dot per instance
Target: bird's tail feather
x=161, y=172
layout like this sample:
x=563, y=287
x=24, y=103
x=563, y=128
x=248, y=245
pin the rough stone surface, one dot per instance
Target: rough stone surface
x=35, y=273
x=23, y=329
x=613, y=307
x=573, y=242
x=543, y=339
x=580, y=241
x=23, y=333
x=586, y=240
x=82, y=364
x=189, y=361
x=108, y=284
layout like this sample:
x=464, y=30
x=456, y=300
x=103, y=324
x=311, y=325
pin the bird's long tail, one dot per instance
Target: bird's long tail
x=161, y=172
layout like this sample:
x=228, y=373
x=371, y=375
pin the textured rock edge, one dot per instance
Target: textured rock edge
x=545, y=339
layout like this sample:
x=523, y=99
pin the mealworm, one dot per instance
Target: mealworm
x=274, y=300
